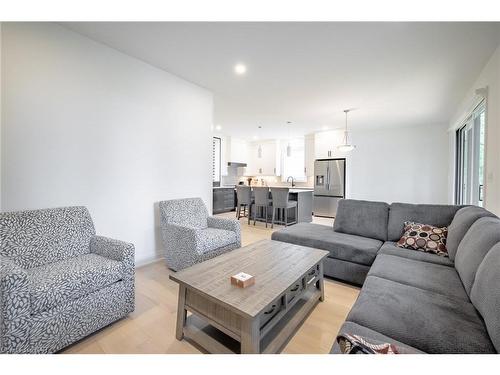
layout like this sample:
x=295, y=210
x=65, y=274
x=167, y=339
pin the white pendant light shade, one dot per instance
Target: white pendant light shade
x=259, y=149
x=288, y=147
x=346, y=146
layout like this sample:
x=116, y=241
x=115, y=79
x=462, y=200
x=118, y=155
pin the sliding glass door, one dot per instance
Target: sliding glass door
x=470, y=158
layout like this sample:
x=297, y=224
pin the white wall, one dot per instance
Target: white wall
x=490, y=78
x=406, y=164
x=84, y=124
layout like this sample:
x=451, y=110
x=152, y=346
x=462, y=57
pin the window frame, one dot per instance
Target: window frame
x=467, y=150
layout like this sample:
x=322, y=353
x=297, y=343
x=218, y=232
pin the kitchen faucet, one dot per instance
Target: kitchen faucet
x=293, y=180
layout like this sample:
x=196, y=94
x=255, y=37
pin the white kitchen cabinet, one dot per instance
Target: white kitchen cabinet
x=268, y=164
x=325, y=144
x=309, y=155
x=270, y=159
x=294, y=164
x=238, y=151
x=252, y=164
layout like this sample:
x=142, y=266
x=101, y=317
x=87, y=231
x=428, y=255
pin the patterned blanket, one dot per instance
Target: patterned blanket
x=354, y=344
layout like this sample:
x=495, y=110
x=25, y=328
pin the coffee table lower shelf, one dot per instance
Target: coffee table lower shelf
x=212, y=340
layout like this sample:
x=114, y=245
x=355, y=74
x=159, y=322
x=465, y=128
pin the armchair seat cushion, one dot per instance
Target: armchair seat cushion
x=212, y=238
x=60, y=282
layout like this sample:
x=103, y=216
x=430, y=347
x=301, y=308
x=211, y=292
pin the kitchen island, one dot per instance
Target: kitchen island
x=304, y=199
x=225, y=201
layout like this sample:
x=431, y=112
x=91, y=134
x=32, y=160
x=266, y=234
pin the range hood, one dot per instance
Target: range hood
x=236, y=164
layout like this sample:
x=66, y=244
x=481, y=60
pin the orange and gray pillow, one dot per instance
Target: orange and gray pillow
x=424, y=237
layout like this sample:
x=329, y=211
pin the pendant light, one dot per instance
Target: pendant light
x=288, y=147
x=346, y=146
x=259, y=149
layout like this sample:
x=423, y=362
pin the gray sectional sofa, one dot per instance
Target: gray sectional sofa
x=419, y=301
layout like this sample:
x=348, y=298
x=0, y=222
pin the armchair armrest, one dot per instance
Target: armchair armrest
x=111, y=248
x=114, y=249
x=227, y=224
x=14, y=308
x=180, y=245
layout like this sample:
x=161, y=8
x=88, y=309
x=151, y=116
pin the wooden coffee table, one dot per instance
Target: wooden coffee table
x=258, y=319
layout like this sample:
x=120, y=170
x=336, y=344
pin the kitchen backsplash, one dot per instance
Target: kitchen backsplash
x=234, y=177
x=273, y=181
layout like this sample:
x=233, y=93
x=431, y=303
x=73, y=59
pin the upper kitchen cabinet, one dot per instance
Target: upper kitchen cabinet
x=325, y=144
x=293, y=163
x=238, y=151
x=309, y=155
x=263, y=159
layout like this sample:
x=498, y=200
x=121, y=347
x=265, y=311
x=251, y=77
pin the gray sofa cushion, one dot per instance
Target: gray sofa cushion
x=350, y=272
x=485, y=294
x=362, y=218
x=391, y=249
x=463, y=220
x=433, y=214
x=356, y=329
x=424, y=320
x=340, y=245
x=478, y=240
x=429, y=276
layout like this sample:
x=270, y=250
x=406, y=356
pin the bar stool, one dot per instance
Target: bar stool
x=261, y=200
x=243, y=199
x=281, y=202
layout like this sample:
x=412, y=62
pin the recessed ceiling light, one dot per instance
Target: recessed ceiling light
x=240, y=69
x=218, y=127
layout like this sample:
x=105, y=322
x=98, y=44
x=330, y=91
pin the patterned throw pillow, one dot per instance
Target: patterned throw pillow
x=424, y=237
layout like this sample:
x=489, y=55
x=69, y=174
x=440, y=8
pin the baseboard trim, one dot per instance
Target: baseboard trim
x=147, y=262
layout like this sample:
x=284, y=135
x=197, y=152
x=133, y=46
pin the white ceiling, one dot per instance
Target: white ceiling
x=396, y=74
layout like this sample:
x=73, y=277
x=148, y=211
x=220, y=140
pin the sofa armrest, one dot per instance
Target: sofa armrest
x=14, y=308
x=227, y=224
x=114, y=249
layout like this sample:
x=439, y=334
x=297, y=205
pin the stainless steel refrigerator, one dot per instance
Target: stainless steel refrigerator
x=329, y=186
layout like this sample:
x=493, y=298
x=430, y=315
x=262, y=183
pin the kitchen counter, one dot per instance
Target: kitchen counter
x=300, y=190
x=224, y=201
x=304, y=200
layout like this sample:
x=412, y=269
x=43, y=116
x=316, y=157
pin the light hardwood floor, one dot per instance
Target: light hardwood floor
x=151, y=327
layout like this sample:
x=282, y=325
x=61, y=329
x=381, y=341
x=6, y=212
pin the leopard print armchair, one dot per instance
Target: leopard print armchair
x=190, y=236
x=59, y=282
